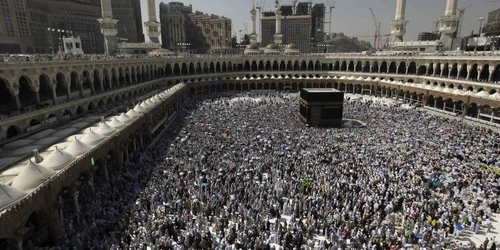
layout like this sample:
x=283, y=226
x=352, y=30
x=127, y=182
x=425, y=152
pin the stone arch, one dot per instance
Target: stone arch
x=217, y=67
x=184, y=69
x=5, y=96
x=383, y=67
x=393, y=68
x=445, y=70
x=422, y=70
x=412, y=68
x=366, y=66
x=35, y=122
x=45, y=88
x=351, y=67
x=12, y=132
x=97, y=81
x=121, y=77
x=191, y=69
x=463, y=71
x=212, y=67
x=26, y=93
x=485, y=73
x=74, y=83
x=359, y=67
x=38, y=225
x=402, y=68
x=91, y=106
x=375, y=67
x=296, y=65
x=80, y=110
x=473, y=110
x=276, y=66
x=282, y=66
x=86, y=80
x=473, y=73
x=61, y=87
x=177, y=69
x=114, y=78
x=106, y=80
x=100, y=103
x=495, y=76
x=317, y=66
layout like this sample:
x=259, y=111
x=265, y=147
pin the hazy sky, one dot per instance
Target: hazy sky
x=353, y=16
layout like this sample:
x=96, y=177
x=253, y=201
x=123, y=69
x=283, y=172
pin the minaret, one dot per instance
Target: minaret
x=152, y=25
x=253, y=36
x=108, y=27
x=278, y=37
x=448, y=24
x=399, y=24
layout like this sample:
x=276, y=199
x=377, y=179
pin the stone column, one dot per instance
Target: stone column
x=479, y=70
x=435, y=103
x=37, y=96
x=91, y=183
x=75, y=201
x=404, y=97
x=106, y=175
x=427, y=69
x=492, y=72
x=450, y=68
x=61, y=205
x=407, y=68
x=492, y=116
x=454, y=107
x=442, y=69
x=469, y=70
x=80, y=89
x=434, y=67
x=16, y=102
x=54, y=94
x=91, y=82
x=127, y=154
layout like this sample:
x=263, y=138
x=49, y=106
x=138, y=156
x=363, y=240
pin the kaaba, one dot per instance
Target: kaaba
x=321, y=107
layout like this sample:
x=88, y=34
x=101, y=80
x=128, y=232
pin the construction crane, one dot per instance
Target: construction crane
x=331, y=6
x=246, y=27
x=460, y=16
x=377, y=30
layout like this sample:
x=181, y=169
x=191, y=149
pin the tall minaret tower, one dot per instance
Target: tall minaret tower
x=278, y=37
x=108, y=27
x=152, y=26
x=448, y=24
x=399, y=24
x=253, y=36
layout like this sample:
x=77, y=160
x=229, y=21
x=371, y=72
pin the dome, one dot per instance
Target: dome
x=124, y=118
x=132, y=113
x=32, y=176
x=105, y=129
x=116, y=124
x=138, y=108
x=9, y=195
x=77, y=148
x=252, y=46
x=292, y=46
x=272, y=46
x=57, y=160
x=161, y=52
x=92, y=138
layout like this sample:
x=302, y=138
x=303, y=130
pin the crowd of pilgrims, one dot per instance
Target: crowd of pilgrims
x=242, y=172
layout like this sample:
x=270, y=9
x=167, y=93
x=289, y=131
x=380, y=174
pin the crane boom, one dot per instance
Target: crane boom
x=377, y=29
x=460, y=17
